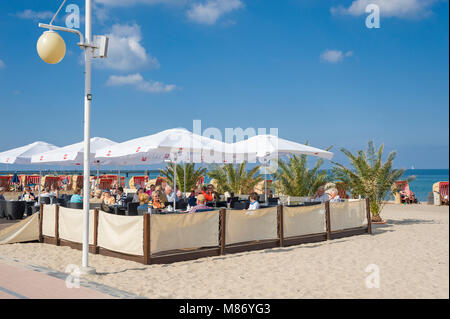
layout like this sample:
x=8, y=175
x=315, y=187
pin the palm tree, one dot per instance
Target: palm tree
x=369, y=176
x=235, y=179
x=192, y=175
x=294, y=178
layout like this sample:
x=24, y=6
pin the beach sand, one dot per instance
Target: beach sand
x=411, y=252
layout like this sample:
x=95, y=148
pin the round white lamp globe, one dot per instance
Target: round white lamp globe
x=51, y=47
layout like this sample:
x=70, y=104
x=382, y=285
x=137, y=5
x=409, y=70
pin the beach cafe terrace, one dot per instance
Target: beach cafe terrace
x=173, y=237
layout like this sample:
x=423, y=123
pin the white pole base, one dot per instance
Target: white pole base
x=87, y=271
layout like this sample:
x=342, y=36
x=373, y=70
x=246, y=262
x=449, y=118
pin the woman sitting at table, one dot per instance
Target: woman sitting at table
x=136, y=195
x=108, y=199
x=192, y=199
x=143, y=201
x=76, y=197
x=156, y=203
x=27, y=194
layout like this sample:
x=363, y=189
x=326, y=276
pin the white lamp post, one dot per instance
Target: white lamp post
x=51, y=48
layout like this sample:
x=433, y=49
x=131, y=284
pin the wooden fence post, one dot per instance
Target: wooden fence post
x=223, y=216
x=147, y=252
x=328, y=219
x=280, y=224
x=57, y=225
x=96, y=231
x=41, y=217
x=369, y=217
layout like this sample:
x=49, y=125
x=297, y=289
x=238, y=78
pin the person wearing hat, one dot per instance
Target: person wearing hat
x=200, y=204
x=97, y=199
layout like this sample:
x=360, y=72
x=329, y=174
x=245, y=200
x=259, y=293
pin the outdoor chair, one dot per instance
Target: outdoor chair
x=2, y=208
x=15, y=209
x=45, y=200
x=132, y=209
x=75, y=205
x=241, y=205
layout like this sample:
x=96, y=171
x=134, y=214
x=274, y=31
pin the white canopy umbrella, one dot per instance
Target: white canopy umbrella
x=22, y=155
x=266, y=147
x=170, y=145
x=71, y=154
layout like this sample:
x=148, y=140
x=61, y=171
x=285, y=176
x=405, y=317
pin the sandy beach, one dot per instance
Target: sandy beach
x=411, y=252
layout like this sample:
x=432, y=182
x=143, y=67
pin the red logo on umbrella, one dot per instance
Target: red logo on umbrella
x=138, y=149
x=144, y=159
x=109, y=153
x=7, y=160
x=42, y=158
x=65, y=156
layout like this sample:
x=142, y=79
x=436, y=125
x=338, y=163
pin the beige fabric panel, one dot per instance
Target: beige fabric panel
x=48, y=220
x=123, y=234
x=348, y=215
x=180, y=231
x=71, y=225
x=23, y=231
x=250, y=225
x=307, y=220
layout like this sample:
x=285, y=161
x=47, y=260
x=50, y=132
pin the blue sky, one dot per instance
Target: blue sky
x=310, y=68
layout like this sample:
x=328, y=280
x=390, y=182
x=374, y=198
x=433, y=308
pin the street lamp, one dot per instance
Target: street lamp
x=51, y=48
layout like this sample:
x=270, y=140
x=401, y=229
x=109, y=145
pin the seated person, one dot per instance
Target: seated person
x=207, y=193
x=45, y=192
x=2, y=191
x=143, y=201
x=151, y=190
x=136, y=195
x=334, y=196
x=97, y=199
x=108, y=199
x=170, y=194
x=161, y=194
x=76, y=197
x=54, y=191
x=320, y=196
x=200, y=204
x=404, y=197
x=121, y=197
x=192, y=200
x=179, y=194
x=27, y=194
x=254, y=204
x=445, y=200
x=156, y=201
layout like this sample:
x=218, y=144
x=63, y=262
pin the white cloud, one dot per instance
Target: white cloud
x=35, y=15
x=2, y=64
x=125, y=51
x=389, y=8
x=138, y=81
x=212, y=10
x=335, y=56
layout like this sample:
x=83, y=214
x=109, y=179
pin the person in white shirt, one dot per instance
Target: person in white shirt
x=320, y=195
x=254, y=204
x=334, y=196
